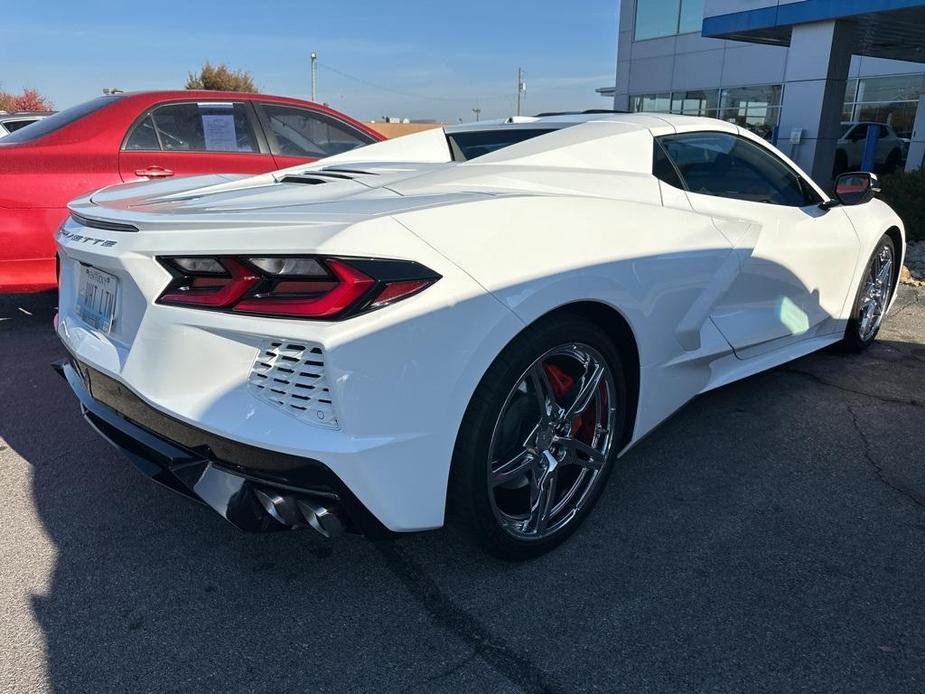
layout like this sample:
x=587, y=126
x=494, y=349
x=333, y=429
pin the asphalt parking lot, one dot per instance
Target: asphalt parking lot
x=769, y=537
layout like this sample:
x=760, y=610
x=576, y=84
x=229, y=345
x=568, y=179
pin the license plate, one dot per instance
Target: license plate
x=97, y=296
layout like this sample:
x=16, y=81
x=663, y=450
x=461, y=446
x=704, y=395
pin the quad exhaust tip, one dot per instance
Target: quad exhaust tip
x=229, y=494
x=295, y=512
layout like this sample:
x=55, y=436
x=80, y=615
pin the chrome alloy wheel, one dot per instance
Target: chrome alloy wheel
x=552, y=441
x=875, y=295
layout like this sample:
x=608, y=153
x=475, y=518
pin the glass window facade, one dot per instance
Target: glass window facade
x=700, y=102
x=890, y=100
x=655, y=18
x=756, y=108
x=652, y=103
x=691, y=19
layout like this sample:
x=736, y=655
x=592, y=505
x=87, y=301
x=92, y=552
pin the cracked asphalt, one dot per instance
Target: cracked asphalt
x=769, y=537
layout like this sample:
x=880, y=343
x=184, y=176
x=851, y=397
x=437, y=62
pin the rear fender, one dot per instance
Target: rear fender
x=658, y=267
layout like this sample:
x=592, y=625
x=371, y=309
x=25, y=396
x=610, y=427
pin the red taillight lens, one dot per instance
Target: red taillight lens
x=312, y=287
x=210, y=288
x=396, y=291
x=352, y=285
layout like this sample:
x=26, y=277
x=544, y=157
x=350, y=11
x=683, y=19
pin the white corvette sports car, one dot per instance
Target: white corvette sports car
x=480, y=319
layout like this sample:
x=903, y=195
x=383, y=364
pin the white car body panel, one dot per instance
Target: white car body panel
x=790, y=254
x=572, y=216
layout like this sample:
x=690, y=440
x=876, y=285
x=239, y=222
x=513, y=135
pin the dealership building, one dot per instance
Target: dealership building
x=836, y=84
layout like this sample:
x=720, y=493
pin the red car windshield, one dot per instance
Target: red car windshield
x=46, y=126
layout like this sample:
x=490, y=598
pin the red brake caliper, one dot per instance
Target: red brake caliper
x=562, y=383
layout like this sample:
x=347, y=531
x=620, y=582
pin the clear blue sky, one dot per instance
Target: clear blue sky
x=446, y=57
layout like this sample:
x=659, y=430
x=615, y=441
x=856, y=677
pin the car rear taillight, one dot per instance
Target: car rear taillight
x=208, y=282
x=313, y=287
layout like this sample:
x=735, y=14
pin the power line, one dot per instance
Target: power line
x=399, y=92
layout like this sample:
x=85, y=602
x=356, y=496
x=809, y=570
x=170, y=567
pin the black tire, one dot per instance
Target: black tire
x=470, y=501
x=854, y=339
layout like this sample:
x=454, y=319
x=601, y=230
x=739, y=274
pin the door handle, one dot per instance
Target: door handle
x=154, y=172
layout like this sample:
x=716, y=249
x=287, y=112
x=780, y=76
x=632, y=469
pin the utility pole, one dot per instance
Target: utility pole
x=476, y=111
x=521, y=87
x=314, y=73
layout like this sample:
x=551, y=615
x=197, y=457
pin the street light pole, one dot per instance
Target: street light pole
x=314, y=73
x=521, y=87
x=476, y=111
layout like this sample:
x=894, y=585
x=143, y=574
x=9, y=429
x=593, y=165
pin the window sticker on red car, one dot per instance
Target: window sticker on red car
x=219, y=132
x=203, y=127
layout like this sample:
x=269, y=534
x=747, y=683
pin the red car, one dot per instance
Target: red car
x=138, y=136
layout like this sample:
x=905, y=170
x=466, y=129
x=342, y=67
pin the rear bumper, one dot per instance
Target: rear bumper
x=254, y=489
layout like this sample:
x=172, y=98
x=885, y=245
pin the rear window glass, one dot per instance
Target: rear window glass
x=301, y=132
x=663, y=169
x=208, y=126
x=46, y=126
x=15, y=125
x=478, y=143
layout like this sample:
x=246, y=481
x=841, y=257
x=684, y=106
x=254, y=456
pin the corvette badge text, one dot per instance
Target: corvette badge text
x=80, y=238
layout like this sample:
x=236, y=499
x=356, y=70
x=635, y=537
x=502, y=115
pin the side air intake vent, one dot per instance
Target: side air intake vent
x=291, y=376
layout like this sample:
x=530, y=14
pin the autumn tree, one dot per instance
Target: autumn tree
x=29, y=100
x=221, y=78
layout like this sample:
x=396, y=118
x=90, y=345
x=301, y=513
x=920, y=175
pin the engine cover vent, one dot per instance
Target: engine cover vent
x=291, y=376
x=316, y=177
x=306, y=180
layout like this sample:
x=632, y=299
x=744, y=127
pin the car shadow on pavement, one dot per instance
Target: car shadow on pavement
x=768, y=537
